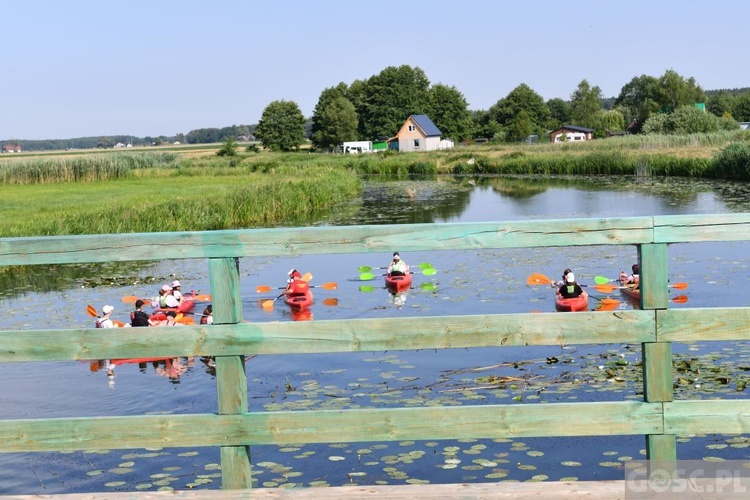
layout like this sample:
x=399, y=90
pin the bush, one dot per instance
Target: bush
x=733, y=162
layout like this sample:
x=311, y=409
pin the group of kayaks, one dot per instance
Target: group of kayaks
x=581, y=302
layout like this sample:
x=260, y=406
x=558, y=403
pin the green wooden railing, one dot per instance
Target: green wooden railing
x=234, y=429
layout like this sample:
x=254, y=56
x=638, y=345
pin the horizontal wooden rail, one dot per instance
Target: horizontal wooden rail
x=365, y=239
x=329, y=426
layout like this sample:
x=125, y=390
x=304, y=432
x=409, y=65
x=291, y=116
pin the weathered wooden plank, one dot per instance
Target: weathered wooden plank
x=323, y=240
x=654, y=276
x=694, y=324
x=231, y=379
x=552, y=490
x=332, y=426
x=697, y=228
x=355, y=335
x=657, y=371
x=706, y=417
x=662, y=447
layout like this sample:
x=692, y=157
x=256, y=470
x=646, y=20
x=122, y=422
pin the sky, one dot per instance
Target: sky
x=75, y=68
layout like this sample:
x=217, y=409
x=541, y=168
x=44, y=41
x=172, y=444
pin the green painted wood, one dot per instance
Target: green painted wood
x=657, y=372
x=323, y=240
x=332, y=426
x=707, y=417
x=654, y=276
x=661, y=447
x=231, y=379
x=694, y=324
x=698, y=228
x=354, y=335
x=235, y=467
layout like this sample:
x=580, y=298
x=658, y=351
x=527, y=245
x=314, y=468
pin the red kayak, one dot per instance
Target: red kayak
x=398, y=283
x=579, y=303
x=299, y=302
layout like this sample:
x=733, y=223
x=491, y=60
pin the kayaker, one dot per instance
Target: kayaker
x=558, y=284
x=176, y=292
x=208, y=315
x=104, y=320
x=570, y=289
x=138, y=317
x=295, y=284
x=397, y=267
x=631, y=279
x=165, y=299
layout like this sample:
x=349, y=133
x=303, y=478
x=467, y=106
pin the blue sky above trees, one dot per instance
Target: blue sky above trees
x=91, y=68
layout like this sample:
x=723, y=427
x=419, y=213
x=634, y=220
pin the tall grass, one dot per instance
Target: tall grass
x=176, y=204
x=89, y=168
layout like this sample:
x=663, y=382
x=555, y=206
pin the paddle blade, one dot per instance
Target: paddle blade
x=605, y=288
x=425, y=265
x=267, y=304
x=538, y=279
x=307, y=277
x=430, y=271
x=263, y=289
x=679, y=286
x=330, y=301
x=364, y=269
x=91, y=311
x=680, y=299
x=202, y=297
x=329, y=286
x=366, y=288
x=601, y=280
x=130, y=299
x=609, y=305
x=366, y=276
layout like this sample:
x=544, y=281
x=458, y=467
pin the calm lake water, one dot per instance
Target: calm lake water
x=467, y=282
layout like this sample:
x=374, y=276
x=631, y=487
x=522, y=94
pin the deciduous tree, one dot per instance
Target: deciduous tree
x=520, y=98
x=335, y=124
x=448, y=110
x=281, y=126
x=585, y=104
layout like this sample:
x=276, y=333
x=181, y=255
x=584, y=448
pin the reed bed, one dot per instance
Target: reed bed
x=84, y=168
x=176, y=204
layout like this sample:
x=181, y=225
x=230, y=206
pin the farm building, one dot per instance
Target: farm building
x=12, y=148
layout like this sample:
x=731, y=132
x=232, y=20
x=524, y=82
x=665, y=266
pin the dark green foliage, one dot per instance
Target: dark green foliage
x=281, y=127
x=733, y=162
x=228, y=147
x=422, y=168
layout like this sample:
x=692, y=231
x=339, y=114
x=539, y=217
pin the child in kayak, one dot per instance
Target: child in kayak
x=558, y=284
x=632, y=279
x=295, y=284
x=397, y=267
x=570, y=289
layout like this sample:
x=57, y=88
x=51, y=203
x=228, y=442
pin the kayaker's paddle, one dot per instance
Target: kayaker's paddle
x=331, y=285
x=608, y=288
x=680, y=299
x=538, y=279
x=91, y=311
x=268, y=304
x=200, y=297
x=606, y=301
x=427, y=272
x=132, y=299
x=365, y=269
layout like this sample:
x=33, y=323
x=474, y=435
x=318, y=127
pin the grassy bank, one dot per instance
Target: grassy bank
x=173, y=203
x=194, y=189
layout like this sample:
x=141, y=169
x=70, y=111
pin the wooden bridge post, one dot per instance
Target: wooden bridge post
x=657, y=356
x=231, y=379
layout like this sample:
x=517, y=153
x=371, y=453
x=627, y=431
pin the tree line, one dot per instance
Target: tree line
x=375, y=109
